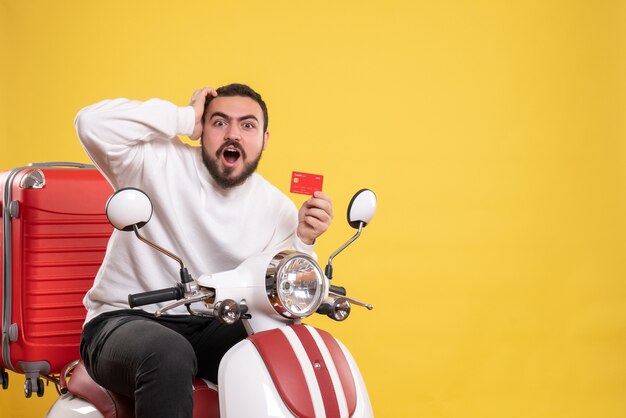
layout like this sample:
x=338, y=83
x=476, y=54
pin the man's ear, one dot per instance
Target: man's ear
x=266, y=138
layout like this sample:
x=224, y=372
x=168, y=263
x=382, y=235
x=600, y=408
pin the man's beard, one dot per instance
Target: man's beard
x=224, y=178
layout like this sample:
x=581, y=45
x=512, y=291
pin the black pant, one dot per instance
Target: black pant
x=153, y=360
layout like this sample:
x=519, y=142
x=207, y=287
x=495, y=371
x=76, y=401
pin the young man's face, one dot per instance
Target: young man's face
x=232, y=139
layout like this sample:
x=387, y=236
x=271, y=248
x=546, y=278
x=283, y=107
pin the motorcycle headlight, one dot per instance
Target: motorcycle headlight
x=295, y=284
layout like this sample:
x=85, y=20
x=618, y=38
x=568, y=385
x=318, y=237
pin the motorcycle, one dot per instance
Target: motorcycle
x=284, y=368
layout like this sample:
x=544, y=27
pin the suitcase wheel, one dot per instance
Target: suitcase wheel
x=39, y=388
x=4, y=378
x=28, y=387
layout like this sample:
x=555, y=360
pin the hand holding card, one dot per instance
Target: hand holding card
x=306, y=183
x=316, y=213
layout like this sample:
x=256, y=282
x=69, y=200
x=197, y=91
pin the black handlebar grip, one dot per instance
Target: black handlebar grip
x=156, y=296
x=324, y=309
x=338, y=290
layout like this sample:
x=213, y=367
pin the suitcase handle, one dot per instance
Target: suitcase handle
x=60, y=164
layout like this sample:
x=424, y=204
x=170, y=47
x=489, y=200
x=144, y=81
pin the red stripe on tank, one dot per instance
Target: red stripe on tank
x=329, y=396
x=284, y=368
x=343, y=369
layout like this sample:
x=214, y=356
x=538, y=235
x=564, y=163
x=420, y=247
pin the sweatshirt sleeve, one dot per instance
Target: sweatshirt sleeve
x=113, y=132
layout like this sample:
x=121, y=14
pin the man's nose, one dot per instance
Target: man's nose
x=233, y=132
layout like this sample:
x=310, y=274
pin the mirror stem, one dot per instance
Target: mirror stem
x=329, y=268
x=156, y=247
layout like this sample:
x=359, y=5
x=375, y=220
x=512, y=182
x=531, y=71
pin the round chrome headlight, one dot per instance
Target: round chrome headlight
x=295, y=284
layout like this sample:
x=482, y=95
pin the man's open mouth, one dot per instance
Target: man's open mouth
x=231, y=155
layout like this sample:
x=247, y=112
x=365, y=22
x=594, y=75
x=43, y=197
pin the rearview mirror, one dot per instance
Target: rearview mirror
x=128, y=207
x=361, y=208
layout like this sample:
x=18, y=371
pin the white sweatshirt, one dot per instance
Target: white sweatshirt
x=135, y=144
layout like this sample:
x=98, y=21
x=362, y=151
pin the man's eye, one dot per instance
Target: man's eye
x=248, y=125
x=220, y=123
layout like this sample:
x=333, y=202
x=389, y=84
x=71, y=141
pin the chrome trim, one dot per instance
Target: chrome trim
x=33, y=180
x=201, y=296
x=274, y=268
x=157, y=247
x=65, y=374
x=343, y=247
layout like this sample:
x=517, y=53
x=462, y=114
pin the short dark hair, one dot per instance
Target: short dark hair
x=242, y=90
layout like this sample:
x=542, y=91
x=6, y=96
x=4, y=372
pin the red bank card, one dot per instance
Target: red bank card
x=305, y=183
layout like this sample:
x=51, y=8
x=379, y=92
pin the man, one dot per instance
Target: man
x=210, y=207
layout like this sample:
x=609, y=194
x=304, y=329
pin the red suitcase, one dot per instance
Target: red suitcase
x=54, y=235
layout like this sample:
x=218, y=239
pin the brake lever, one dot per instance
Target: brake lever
x=202, y=295
x=351, y=300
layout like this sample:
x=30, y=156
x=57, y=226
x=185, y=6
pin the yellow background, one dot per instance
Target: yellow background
x=492, y=132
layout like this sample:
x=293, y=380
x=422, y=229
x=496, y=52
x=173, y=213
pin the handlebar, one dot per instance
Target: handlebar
x=156, y=296
x=338, y=290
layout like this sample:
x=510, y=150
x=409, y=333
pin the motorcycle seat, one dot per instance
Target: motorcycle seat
x=113, y=405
